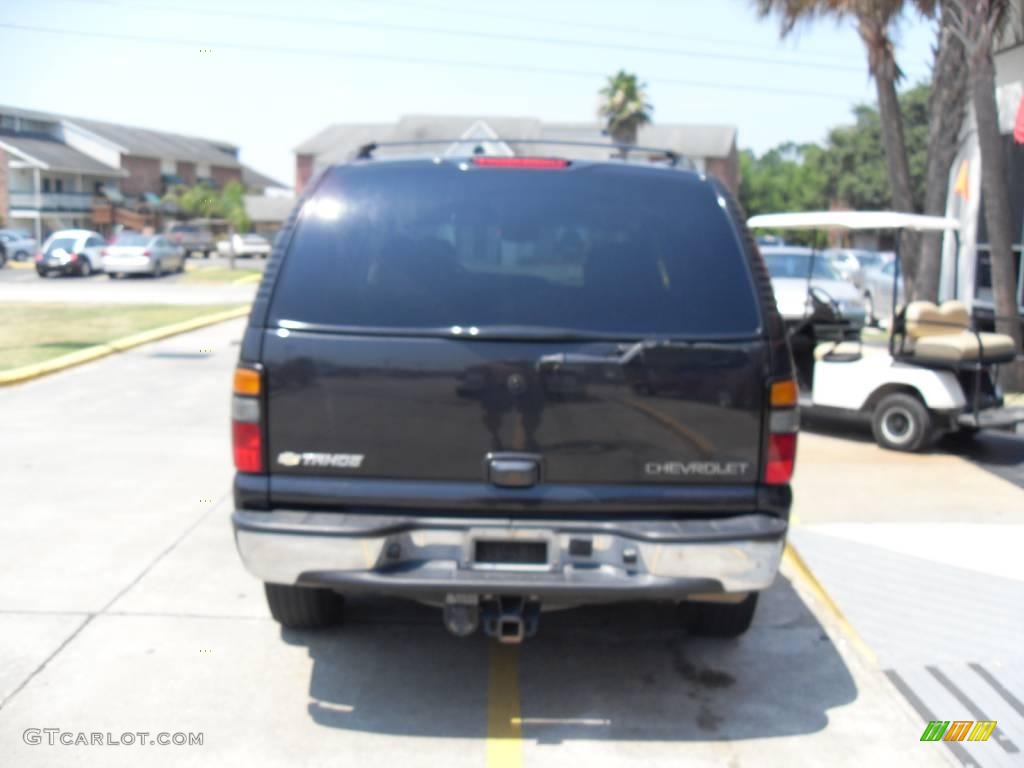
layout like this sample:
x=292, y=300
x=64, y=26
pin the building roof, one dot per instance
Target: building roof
x=337, y=142
x=53, y=155
x=161, y=144
x=266, y=208
x=142, y=141
x=253, y=179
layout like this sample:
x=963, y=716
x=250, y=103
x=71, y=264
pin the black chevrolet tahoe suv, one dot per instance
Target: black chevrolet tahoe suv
x=502, y=385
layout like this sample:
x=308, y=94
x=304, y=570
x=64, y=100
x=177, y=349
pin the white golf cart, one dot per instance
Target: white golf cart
x=937, y=374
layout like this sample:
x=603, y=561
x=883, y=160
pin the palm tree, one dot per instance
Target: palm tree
x=874, y=19
x=977, y=23
x=624, y=107
x=946, y=106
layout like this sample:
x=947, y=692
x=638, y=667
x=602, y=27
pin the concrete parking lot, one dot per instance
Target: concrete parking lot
x=124, y=608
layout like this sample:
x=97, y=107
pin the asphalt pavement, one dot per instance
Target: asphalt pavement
x=124, y=608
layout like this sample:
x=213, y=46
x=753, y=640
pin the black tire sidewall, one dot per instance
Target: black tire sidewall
x=920, y=423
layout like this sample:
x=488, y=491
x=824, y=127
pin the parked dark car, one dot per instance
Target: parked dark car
x=502, y=385
x=193, y=238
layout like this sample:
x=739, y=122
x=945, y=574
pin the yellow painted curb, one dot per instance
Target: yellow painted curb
x=19, y=264
x=248, y=279
x=29, y=372
x=799, y=567
x=1014, y=398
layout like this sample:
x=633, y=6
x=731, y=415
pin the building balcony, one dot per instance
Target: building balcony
x=78, y=202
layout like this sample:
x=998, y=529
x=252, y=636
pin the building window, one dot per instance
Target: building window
x=97, y=188
x=46, y=186
x=59, y=185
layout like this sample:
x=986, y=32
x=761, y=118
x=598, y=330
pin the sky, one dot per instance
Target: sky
x=267, y=75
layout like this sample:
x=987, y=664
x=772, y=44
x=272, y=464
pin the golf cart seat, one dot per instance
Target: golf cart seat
x=942, y=335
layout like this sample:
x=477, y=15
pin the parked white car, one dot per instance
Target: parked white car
x=795, y=271
x=71, y=252
x=250, y=245
x=17, y=244
x=134, y=253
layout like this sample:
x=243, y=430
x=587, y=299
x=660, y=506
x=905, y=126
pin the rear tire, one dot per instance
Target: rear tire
x=901, y=422
x=719, y=619
x=304, y=607
x=158, y=269
x=85, y=268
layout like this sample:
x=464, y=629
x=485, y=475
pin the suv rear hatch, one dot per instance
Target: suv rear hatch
x=601, y=318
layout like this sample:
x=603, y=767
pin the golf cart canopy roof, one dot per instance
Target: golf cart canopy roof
x=853, y=220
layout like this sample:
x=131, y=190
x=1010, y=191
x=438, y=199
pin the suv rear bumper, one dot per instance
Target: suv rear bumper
x=430, y=557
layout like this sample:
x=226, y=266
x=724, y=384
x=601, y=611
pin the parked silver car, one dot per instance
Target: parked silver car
x=134, y=253
x=17, y=244
x=877, y=287
x=851, y=263
x=795, y=270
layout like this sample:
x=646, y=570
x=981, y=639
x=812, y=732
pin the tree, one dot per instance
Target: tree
x=203, y=201
x=874, y=19
x=624, y=107
x=976, y=23
x=946, y=104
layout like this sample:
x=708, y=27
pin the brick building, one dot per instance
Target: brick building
x=58, y=171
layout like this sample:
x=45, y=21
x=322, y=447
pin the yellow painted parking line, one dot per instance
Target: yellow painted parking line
x=20, y=264
x=504, y=729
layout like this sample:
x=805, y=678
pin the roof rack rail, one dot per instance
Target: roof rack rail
x=365, y=152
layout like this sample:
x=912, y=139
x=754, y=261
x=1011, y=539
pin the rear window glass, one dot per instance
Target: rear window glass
x=595, y=249
x=61, y=244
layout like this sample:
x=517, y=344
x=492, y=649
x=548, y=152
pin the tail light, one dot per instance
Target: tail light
x=147, y=252
x=246, y=420
x=74, y=256
x=783, y=423
x=39, y=255
x=105, y=252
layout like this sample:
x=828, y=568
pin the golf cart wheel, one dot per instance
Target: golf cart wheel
x=719, y=619
x=902, y=423
x=304, y=607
